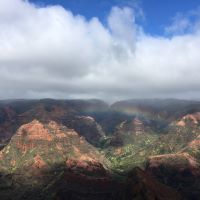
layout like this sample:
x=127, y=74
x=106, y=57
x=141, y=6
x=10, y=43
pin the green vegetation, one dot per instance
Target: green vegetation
x=135, y=153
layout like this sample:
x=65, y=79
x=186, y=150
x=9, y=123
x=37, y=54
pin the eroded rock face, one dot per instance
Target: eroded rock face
x=132, y=127
x=40, y=155
x=127, y=131
x=73, y=186
x=189, y=119
x=180, y=171
x=138, y=185
x=71, y=113
x=90, y=166
x=38, y=162
x=87, y=127
x=180, y=163
x=45, y=139
x=195, y=144
x=34, y=131
x=141, y=185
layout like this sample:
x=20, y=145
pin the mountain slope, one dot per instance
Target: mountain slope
x=39, y=153
x=74, y=114
x=53, y=149
x=180, y=170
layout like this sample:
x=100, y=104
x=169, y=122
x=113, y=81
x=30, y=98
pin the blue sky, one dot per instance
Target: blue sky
x=157, y=13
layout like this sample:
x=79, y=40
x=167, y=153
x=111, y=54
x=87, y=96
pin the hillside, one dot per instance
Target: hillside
x=85, y=149
x=39, y=153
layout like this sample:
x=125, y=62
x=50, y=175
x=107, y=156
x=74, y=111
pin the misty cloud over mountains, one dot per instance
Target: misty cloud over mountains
x=49, y=52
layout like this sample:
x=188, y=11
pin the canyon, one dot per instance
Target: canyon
x=86, y=149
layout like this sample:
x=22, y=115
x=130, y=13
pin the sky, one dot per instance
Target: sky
x=109, y=49
x=156, y=13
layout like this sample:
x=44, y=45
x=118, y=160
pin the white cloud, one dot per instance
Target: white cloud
x=179, y=26
x=122, y=25
x=49, y=52
x=183, y=23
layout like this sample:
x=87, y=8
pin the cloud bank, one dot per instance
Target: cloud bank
x=49, y=52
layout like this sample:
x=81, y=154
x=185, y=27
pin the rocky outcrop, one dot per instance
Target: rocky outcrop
x=87, y=127
x=45, y=139
x=141, y=185
x=69, y=113
x=40, y=155
x=180, y=171
x=189, y=119
x=138, y=185
x=179, y=163
x=128, y=130
x=88, y=165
